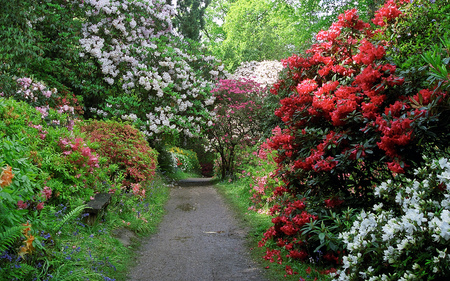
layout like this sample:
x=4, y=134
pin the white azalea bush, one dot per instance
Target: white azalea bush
x=265, y=73
x=408, y=236
x=141, y=56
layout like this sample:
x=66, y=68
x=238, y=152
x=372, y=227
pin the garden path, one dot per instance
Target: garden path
x=198, y=239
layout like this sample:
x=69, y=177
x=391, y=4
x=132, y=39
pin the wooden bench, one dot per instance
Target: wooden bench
x=96, y=207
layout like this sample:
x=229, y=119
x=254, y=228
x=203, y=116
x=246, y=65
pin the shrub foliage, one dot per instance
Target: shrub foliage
x=348, y=123
x=125, y=146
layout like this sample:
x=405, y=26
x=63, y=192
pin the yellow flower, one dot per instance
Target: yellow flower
x=6, y=176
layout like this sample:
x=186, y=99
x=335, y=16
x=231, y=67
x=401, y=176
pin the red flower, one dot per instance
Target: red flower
x=333, y=202
x=289, y=270
x=300, y=255
x=368, y=53
x=388, y=12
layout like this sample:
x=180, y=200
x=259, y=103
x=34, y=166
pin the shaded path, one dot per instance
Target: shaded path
x=198, y=239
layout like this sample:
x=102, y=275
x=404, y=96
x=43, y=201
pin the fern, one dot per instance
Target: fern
x=8, y=237
x=69, y=216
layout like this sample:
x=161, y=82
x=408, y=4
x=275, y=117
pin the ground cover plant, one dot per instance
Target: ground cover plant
x=48, y=172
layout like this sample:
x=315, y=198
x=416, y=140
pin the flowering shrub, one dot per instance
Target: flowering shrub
x=184, y=159
x=264, y=73
x=24, y=135
x=43, y=98
x=238, y=104
x=22, y=193
x=347, y=124
x=123, y=145
x=79, y=154
x=139, y=54
x=406, y=239
x=257, y=167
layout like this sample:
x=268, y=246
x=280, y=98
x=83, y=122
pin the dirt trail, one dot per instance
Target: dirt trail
x=198, y=239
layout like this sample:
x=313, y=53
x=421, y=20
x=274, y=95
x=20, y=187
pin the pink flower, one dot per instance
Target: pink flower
x=40, y=206
x=46, y=192
x=85, y=151
x=22, y=205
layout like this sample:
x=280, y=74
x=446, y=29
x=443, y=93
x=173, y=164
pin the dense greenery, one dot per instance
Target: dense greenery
x=48, y=172
x=190, y=18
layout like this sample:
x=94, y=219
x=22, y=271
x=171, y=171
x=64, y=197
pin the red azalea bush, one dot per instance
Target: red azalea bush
x=348, y=125
x=124, y=145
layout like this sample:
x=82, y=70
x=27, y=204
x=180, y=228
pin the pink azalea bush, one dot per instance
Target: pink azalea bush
x=123, y=145
x=236, y=120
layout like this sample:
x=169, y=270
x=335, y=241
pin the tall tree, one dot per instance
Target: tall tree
x=245, y=30
x=259, y=30
x=190, y=18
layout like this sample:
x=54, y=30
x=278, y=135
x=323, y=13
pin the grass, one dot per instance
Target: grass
x=83, y=252
x=178, y=174
x=237, y=196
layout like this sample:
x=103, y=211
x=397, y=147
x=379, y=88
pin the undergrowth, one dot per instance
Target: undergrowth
x=237, y=195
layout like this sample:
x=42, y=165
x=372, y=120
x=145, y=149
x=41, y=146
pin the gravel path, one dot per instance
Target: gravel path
x=198, y=239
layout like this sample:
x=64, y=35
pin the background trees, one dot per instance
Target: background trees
x=189, y=19
x=242, y=30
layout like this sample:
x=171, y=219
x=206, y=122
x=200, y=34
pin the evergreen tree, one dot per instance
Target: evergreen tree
x=190, y=18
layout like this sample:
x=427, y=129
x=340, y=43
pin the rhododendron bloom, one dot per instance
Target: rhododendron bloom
x=386, y=13
x=306, y=87
x=368, y=53
x=333, y=202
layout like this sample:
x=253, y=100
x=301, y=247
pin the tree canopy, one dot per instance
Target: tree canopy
x=246, y=30
x=189, y=19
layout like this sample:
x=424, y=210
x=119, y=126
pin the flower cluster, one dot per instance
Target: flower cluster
x=139, y=53
x=79, y=154
x=137, y=191
x=414, y=227
x=28, y=248
x=125, y=146
x=264, y=73
x=347, y=124
x=387, y=13
x=43, y=99
x=6, y=176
